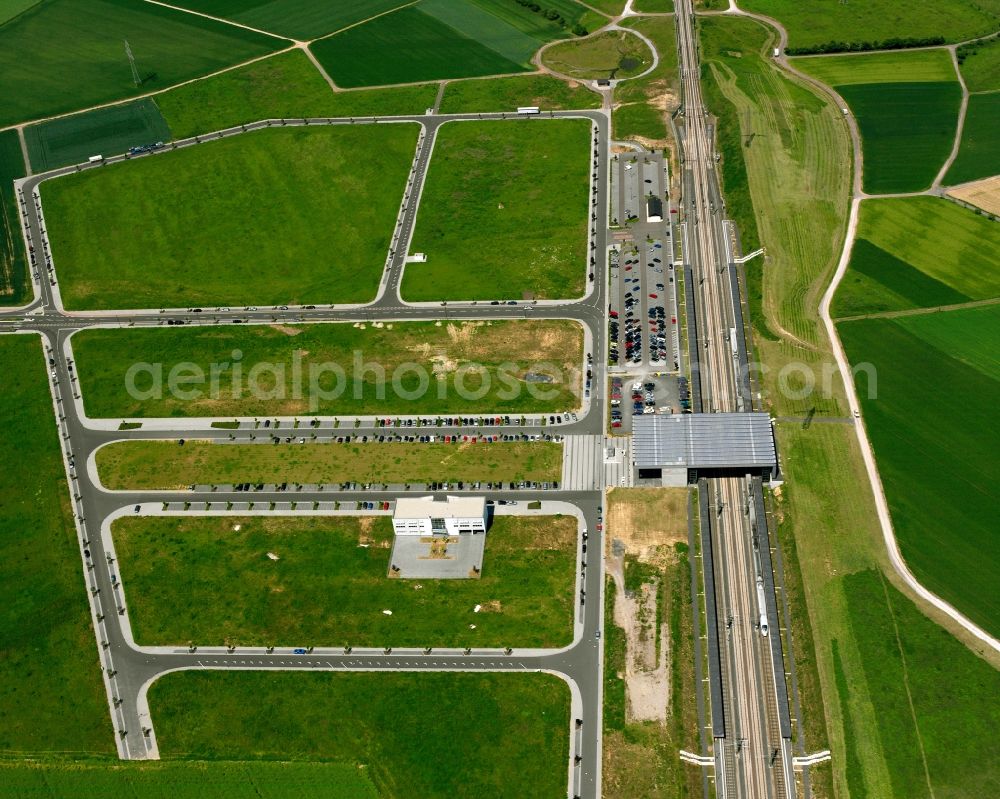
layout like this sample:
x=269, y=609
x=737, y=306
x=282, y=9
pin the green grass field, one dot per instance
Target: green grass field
x=177, y=779
x=446, y=361
x=331, y=584
x=769, y=125
x=978, y=155
x=535, y=23
x=646, y=101
x=167, y=465
x=11, y=8
x=476, y=23
x=483, y=722
x=813, y=22
x=506, y=94
x=68, y=54
x=653, y=6
x=407, y=46
x=297, y=19
x=907, y=131
x=612, y=54
x=170, y=230
x=13, y=260
x=980, y=65
x=917, y=66
x=918, y=252
x=524, y=184
x=281, y=87
x=932, y=698
x=108, y=131
x=938, y=471
x=50, y=679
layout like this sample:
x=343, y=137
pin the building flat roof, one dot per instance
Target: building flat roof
x=447, y=508
x=703, y=441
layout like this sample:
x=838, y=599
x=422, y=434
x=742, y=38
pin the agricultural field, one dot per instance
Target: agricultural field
x=506, y=94
x=61, y=707
x=817, y=22
x=407, y=46
x=984, y=194
x=13, y=261
x=284, y=86
x=979, y=63
x=575, y=18
x=178, y=779
x=931, y=697
x=918, y=252
x=331, y=583
x=11, y=8
x=296, y=19
x=653, y=6
x=434, y=365
x=169, y=465
x=917, y=66
x=611, y=54
x=906, y=105
x=68, y=54
x=939, y=472
x=487, y=722
x=978, y=155
x=523, y=183
x=192, y=246
x=107, y=131
x=642, y=104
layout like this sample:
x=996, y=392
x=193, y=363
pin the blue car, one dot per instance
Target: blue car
x=299, y=651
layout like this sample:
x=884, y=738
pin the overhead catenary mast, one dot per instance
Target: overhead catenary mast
x=131, y=61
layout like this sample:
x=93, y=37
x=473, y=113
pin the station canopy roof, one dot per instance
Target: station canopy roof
x=703, y=441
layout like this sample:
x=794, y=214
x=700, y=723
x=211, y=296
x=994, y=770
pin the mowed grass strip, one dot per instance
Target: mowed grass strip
x=67, y=54
x=939, y=469
x=298, y=19
x=507, y=94
x=907, y=131
x=900, y=66
x=285, y=86
x=504, y=212
x=611, y=54
x=180, y=779
x=170, y=465
x=487, y=722
x=396, y=368
x=978, y=154
x=406, y=46
x=103, y=131
x=50, y=678
x=211, y=579
x=814, y=22
x=291, y=215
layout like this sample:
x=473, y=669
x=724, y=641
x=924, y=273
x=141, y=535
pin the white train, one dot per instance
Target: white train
x=761, y=606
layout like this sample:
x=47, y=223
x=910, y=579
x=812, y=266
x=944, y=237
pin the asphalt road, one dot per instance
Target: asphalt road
x=751, y=757
x=129, y=669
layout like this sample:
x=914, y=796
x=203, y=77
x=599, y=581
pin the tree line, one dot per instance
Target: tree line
x=553, y=15
x=895, y=43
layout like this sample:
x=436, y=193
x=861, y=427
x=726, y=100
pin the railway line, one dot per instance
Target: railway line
x=752, y=749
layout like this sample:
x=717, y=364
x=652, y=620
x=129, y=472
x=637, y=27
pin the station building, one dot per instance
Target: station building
x=678, y=449
x=424, y=516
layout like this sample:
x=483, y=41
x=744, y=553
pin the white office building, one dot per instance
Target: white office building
x=448, y=516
